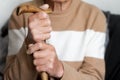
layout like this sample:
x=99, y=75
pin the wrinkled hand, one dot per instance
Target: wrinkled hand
x=45, y=58
x=40, y=26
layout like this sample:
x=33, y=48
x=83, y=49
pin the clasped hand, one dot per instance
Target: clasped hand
x=45, y=58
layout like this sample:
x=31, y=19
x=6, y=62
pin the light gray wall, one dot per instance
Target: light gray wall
x=6, y=8
x=107, y=5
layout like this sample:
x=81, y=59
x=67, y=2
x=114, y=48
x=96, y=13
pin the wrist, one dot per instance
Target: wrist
x=60, y=70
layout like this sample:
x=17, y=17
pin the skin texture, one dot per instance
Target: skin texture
x=45, y=58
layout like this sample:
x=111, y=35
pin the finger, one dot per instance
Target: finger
x=41, y=54
x=40, y=37
x=45, y=22
x=30, y=45
x=42, y=45
x=38, y=24
x=44, y=6
x=38, y=16
x=45, y=67
x=42, y=15
x=41, y=30
x=28, y=51
x=45, y=29
x=42, y=68
x=36, y=47
x=40, y=62
x=33, y=22
x=33, y=48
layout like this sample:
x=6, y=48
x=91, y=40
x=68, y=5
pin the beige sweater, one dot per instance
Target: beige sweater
x=78, y=36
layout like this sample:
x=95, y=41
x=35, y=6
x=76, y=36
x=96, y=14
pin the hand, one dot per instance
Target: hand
x=40, y=26
x=45, y=59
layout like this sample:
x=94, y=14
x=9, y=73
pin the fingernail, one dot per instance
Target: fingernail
x=45, y=6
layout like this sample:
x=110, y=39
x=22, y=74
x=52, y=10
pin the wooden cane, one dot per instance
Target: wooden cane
x=32, y=9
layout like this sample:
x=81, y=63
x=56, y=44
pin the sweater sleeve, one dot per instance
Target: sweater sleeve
x=93, y=67
x=17, y=33
x=19, y=65
x=16, y=36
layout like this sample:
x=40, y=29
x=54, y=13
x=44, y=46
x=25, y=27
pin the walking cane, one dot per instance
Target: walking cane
x=32, y=9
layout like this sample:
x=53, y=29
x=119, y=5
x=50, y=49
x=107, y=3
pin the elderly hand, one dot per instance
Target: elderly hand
x=40, y=26
x=45, y=59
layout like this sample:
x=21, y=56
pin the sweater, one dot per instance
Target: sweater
x=79, y=39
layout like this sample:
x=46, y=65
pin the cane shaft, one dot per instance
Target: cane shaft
x=44, y=76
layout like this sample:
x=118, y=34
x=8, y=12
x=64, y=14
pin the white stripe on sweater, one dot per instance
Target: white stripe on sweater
x=74, y=46
x=69, y=45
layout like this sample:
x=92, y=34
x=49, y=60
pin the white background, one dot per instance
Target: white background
x=7, y=6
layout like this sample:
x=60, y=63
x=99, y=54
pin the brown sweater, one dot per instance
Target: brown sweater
x=78, y=36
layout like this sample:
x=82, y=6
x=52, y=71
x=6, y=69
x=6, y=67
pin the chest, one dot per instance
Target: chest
x=69, y=45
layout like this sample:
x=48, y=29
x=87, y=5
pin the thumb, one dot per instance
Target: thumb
x=44, y=6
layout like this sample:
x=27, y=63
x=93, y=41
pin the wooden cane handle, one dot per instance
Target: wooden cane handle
x=32, y=9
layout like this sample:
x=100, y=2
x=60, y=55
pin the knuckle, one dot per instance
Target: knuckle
x=51, y=60
x=36, y=38
x=30, y=25
x=39, y=45
x=50, y=28
x=50, y=66
x=41, y=68
x=44, y=36
x=38, y=69
x=51, y=48
x=34, y=62
x=30, y=50
x=48, y=36
x=48, y=21
x=33, y=21
x=30, y=45
x=42, y=15
x=35, y=55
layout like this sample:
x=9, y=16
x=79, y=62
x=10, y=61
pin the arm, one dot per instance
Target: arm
x=16, y=36
x=93, y=67
x=19, y=65
x=17, y=33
